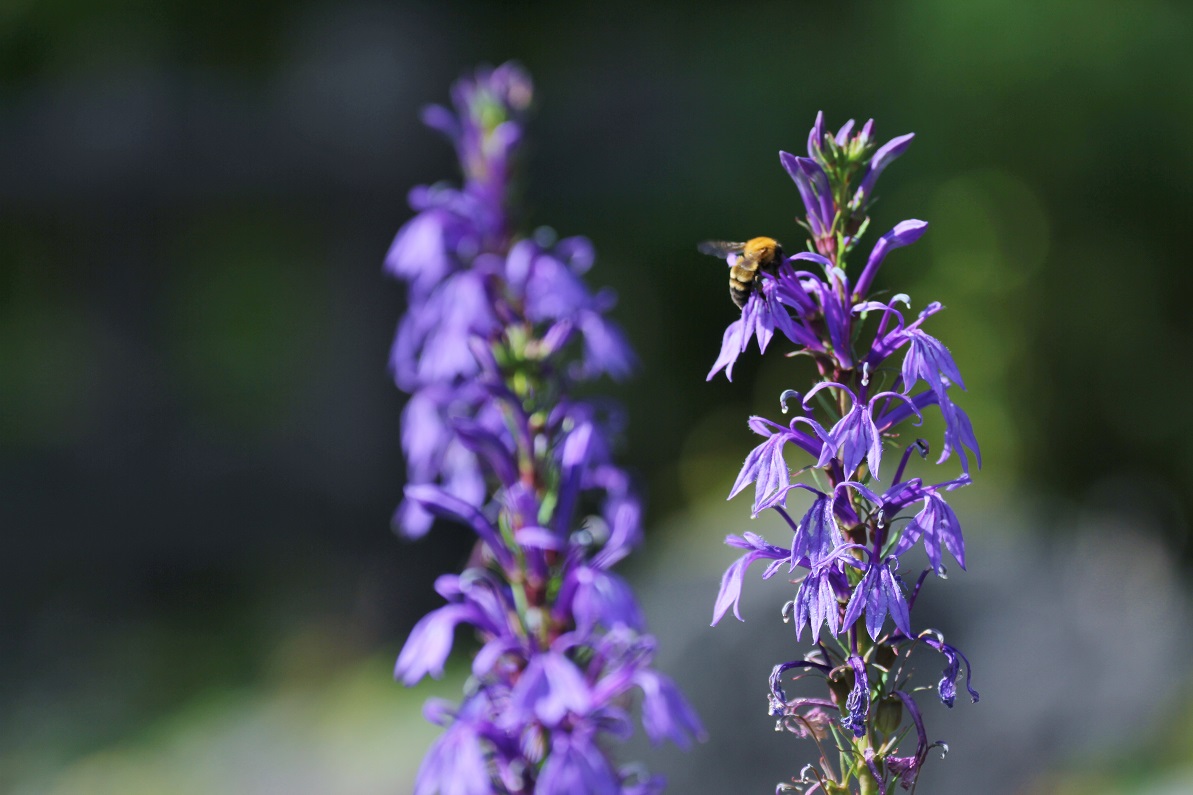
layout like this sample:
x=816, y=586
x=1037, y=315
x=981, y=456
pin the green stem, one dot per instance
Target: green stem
x=867, y=784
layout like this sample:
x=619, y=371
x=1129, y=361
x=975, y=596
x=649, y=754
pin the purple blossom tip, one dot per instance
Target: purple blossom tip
x=886, y=154
x=816, y=135
x=904, y=233
x=843, y=132
x=814, y=190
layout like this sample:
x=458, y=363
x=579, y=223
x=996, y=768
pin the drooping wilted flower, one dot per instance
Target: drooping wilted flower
x=498, y=330
x=849, y=543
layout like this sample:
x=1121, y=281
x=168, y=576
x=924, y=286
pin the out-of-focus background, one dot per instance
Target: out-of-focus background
x=200, y=592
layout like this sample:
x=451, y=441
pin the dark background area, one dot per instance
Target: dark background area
x=198, y=438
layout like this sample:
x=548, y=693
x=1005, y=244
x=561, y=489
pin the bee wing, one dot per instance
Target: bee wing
x=720, y=248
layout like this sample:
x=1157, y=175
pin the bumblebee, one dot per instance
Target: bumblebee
x=756, y=254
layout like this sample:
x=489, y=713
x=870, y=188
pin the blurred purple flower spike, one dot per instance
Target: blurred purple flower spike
x=497, y=333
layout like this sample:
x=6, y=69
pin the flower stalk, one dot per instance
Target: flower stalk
x=877, y=372
x=499, y=330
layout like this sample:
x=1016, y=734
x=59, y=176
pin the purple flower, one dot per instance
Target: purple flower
x=455, y=765
x=948, y=680
x=432, y=345
x=855, y=434
x=435, y=453
x=575, y=765
x=762, y=314
x=878, y=594
x=857, y=703
x=817, y=536
x=816, y=135
x=907, y=768
x=778, y=697
x=958, y=435
x=765, y=465
x=938, y=526
x=828, y=302
x=549, y=689
x=904, y=234
x=928, y=359
x=429, y=643
x=442, y=504
x=816, y=601
x=886, y=154
x=424, y=250
x=666, y=715
x=814, y=189
x=600, y=598
x=731, y=581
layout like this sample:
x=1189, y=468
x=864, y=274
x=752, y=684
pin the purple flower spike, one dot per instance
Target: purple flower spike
x=848, y=543
x=498, y=332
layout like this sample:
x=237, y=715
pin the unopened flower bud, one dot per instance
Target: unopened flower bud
x=889, y=715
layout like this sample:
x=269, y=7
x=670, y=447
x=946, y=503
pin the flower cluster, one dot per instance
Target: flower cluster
x=498, y=330
x=866, y=512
